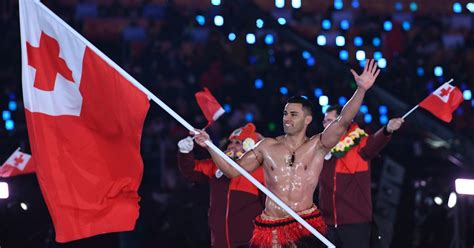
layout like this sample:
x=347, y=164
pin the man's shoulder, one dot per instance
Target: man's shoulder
x=315, y=137
x=268, y=141
x=316, y=140
x=265, y=143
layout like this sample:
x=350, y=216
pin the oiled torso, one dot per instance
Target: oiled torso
x=294, y=183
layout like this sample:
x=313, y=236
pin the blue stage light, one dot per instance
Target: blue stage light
x=364, y=109
x=342, y=101
x=438, y=71
x=376, y=41
x=368, y=118
x=318, y=92
x=269, y=39
x=345, y=24
x=282, y=21
x=387, y=25
x=326, y=24
x=201, y=20
x=9, y=125
x=383, y=110
x=344, y=55
x=457, y=8
x=358, y=41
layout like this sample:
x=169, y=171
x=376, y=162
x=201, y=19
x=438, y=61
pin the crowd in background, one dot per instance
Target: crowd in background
x=175, y=49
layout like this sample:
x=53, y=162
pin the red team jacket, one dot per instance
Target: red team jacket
x=345, y=187
x=234, y=203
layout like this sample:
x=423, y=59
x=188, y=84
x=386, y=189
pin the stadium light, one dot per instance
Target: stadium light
x=438, y=200
x=340, y=40
x=250, y=38
x=360, y=55
x=467, y=94
x=4, y=193
x=279, y=3
x=321, y=40
x=358, y=41
x=269, y=39
x=438, y=71
x=452, y=200
x=368, y=118
x=323, y=100
x=457, y=8
x=387, y=26
x=296, y=4
x=282, y=21
x=318, y=92
x=344, y=55
x=218, y=20
x=232, y=37
x=464, y=186
x=201, y=20
x=258, y=83
x=326, y=24
x=344, y=24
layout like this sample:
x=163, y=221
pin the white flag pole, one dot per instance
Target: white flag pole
x=413, y=109
x=409, y=112
x=188, y=126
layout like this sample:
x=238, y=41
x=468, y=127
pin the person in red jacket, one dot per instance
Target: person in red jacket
x=344, y=185
x=234, y=203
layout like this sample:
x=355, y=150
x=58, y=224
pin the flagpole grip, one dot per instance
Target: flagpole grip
x=409, y=112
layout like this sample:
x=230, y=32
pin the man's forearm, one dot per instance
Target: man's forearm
x=352, y=107
x=225, y=167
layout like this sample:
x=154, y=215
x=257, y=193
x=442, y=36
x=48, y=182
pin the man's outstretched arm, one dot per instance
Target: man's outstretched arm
x=250, y=161
x=338, y=127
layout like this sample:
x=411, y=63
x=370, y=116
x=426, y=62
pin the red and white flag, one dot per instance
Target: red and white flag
x=18, y=163
x=85, y=123
x=443, y=102
x=209, y=105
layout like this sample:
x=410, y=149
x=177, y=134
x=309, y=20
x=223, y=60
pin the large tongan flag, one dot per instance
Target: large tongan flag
x=85, y=123
x=18, y=163
x=443, y=101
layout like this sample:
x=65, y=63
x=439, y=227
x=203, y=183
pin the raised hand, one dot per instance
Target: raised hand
x=367, y=78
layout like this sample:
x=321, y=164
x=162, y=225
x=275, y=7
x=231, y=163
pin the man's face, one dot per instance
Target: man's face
x=234, y=149
x=329, y=117
x=294, y=118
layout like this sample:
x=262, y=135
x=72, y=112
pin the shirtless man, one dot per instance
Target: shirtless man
x=292, y=164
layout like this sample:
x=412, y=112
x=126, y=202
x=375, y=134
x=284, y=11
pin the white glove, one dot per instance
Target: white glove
x=186, y=145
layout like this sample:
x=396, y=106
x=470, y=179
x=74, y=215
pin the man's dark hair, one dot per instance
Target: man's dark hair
x=336, y=107
x=307, y=105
